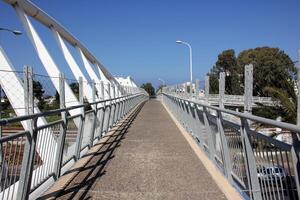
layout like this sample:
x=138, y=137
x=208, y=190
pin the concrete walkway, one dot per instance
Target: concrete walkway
x=146, y=158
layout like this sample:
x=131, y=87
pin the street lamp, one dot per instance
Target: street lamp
x=16, y=32
x=191, y=62
x=163, y=82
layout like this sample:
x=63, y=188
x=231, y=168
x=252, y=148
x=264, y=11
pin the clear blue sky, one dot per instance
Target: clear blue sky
x=137, y=37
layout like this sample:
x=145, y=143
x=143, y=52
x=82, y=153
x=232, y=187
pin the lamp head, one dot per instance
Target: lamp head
x=178, y=41
x=17, y=32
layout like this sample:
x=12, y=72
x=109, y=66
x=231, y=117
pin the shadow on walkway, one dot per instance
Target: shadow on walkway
x=86, y=175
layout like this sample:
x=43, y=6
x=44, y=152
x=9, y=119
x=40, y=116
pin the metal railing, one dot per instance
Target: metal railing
x=33, y=158
x=260, y=166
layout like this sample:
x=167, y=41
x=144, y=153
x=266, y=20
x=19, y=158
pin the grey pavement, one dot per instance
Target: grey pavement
x=146, y=158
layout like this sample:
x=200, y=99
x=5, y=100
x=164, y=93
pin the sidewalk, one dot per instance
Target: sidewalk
x=147, y=158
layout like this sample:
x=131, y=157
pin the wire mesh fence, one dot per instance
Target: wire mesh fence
x=12, y=152
x=46, y=149
x=40, y=132
x=260, y=165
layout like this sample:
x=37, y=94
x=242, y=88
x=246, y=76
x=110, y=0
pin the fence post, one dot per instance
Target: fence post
x=207, y=88
x=117, y=104
x=248, y=88
x=221, y=89
x=209, y=133
x=63, y=129
x=81, y=124
x=94, y=107
x=251, y=169
x=102, y=109
x=113, y=106
x=226, y=155
x=107, y=111
x=29, y=149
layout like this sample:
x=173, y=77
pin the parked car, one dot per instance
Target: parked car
x=273, y=178
x=271, y=173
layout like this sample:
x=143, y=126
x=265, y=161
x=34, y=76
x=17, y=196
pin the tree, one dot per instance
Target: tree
x=160, y=87
x=38, y=93
x=288, y=104
x=149, y=88
x=75, y=87
x=271, y=68
x=226, y=63
x=213, y=81
x=273, y=76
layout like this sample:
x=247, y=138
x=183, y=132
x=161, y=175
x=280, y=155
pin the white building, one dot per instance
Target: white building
x=128, y=81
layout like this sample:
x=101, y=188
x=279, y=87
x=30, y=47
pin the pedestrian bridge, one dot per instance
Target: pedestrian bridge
x=144, y=157
x=97, y=138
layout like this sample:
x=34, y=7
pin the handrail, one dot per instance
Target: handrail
x=53, y=139
x=57, y=111
x=249, y=116
x=259, y=166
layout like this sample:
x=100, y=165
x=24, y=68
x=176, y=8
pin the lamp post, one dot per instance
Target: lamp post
x=16, y=32
x=163, y=82
x=191, y=62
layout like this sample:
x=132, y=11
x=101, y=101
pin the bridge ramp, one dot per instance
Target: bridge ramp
x=147, y=157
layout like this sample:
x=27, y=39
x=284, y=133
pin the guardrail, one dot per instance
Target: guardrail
x=260, y=166
x=23, y=172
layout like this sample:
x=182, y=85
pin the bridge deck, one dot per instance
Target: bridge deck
x=145, y=158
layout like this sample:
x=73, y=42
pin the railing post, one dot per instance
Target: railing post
x=81, y=124
x=226, y=155
x=29, y=149
x=251, y=169
x=248, y=88
x=94, y=107
x=113, y=106
x=63, y=129
x=117, y=104
x=210, y=136
x=221, y=89
x=102, y=109
x=107, y=109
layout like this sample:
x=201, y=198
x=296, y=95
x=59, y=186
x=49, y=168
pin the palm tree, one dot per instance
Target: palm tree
x=287, y=104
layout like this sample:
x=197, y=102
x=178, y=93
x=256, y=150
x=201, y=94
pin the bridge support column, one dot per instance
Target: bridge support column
x=63, y=129
x=197, y=84
x=221, y=89
x=206, y=88
x=248, y=88
x=30, y=145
